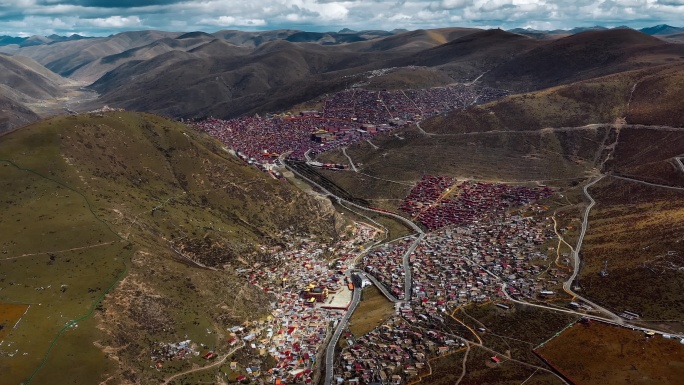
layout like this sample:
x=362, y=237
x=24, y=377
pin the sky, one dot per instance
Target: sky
x=105, y=17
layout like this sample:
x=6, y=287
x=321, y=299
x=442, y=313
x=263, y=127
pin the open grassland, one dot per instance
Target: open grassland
x=382, y=193
x=58, y=257
x=638, y=230
x=82, y=194
x=373, y=310
x=610, y=355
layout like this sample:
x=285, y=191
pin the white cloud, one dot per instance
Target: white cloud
x=229, y=21
x=114, y=22
x=64, y=16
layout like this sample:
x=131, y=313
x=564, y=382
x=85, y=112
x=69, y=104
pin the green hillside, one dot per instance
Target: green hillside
x=144, y=205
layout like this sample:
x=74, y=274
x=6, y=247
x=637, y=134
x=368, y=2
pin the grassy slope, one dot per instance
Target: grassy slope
x=633, y=227
x=209, y=207
x=606, y=355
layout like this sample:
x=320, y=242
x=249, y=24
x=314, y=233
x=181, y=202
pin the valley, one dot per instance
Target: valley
x=445, y=206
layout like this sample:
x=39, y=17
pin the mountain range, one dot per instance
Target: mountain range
x=345, y=35
x=229, y=73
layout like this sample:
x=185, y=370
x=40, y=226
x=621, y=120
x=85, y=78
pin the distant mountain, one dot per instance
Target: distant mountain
x=658, y=30
x=662, y=29
x=65, y=57
x=560, y=31
x=228, y=80
x=9, y=40
x=324, y=38
x=23, y=81
x=582, y=29
x=27, y=80
x=38, y=40
x=582, y=56
x=93, y=70
x=674, y=38
x=475, y=52
x=230, y=72
x=255, y=39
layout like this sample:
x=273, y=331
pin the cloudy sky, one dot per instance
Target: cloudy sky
x=104, y=17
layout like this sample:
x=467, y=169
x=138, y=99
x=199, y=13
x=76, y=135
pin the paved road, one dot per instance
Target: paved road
x=555, y=129
x=614, y=319
x=408, y=280
x=372, y=144
x=341, y=326
x=477, y=78
x=423, y=131
x=567, y=285
x=585, y=225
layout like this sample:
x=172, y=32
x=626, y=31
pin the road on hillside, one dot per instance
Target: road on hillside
x=613, y=318
x=567, y=285
x=341, y=326
x=351, y=162
x=648, y=183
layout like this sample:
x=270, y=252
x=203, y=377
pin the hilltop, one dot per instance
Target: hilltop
x=151, y=206
x=582, y=56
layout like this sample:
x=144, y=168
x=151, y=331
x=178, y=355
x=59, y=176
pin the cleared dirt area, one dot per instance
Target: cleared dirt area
x=598, y=353
x=373, y=310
